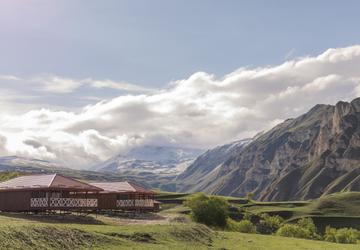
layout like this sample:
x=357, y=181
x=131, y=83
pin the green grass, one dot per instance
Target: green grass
x=337, y=210
x=161, y=195
x=174, y=195
x=232, y=240
x=21, y=232
x=338, y=204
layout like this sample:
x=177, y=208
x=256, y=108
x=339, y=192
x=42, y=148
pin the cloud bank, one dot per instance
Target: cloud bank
x=200, y=111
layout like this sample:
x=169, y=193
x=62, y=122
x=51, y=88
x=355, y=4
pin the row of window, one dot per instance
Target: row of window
x=132, y=197
x=42, y=194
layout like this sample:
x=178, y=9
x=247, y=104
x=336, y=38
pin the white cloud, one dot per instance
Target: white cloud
x=62, y=85
x=9, y=78
x=116, y=85
x=200, y=111
x=56, y=84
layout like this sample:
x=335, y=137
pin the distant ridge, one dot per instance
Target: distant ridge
x=168, y=160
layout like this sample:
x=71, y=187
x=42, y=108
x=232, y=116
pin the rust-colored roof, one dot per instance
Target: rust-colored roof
x=46, y=181
x=120, y=187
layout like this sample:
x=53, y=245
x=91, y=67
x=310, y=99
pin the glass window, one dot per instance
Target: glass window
x=38, y=194
x=55, y=195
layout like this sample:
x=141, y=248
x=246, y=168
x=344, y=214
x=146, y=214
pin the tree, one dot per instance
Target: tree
x=211, y=211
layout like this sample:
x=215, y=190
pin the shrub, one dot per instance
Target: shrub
x=292, y=230
x=304, y=228
x=269, y=224
x=248, y=216
x=211, y=211
x=330, y=234
x=243, y=226
x=232, y=225
x=343, y=235
x=308, y=224
x=347, y=235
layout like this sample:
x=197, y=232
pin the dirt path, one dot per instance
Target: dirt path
x=144, y=219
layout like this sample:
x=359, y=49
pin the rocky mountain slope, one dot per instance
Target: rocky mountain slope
x=303, y=158
x=206, y=164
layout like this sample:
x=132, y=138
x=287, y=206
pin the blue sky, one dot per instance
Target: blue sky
x=82, y=81
x=153, y=42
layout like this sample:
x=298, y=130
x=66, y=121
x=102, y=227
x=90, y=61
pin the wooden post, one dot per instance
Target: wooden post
x=48, y=198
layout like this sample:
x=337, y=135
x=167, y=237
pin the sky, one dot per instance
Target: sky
x=82, y=80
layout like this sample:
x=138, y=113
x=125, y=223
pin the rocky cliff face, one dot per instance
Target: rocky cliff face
x=200, y=171
x=314, y=154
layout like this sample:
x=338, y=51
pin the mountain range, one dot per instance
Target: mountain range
x=162, y=160
x=303, y=158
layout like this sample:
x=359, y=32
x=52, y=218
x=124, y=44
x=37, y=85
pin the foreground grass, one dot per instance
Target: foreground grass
x=25, y=232
x=233, y=240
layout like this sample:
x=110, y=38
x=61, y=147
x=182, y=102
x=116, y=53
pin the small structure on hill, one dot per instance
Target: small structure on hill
x=47, y=192
x=125, y=196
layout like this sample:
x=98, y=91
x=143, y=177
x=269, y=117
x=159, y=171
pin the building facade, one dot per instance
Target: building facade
x=36, y=193
x=125, y=196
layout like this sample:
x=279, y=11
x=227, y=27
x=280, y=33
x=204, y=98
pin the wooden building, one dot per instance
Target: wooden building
x=56, y=192
x=47, y=192
x=125, y=196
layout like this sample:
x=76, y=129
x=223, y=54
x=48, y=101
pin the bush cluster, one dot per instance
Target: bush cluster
x=269, y=224
x=243, y=226
x=342, y=235
x=304, y=228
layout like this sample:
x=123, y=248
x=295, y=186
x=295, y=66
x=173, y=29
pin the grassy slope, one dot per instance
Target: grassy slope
x=23, y=233
x=338, y=204
x=337, y=210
